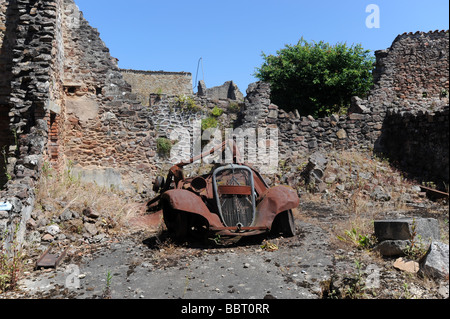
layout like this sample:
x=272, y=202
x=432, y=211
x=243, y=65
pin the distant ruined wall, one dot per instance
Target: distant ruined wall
x=228, y=90
x=144, y=83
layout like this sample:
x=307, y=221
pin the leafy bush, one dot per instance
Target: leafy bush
x=209, y=122
x=317, y=78
x=216, y=112
x=164, y=146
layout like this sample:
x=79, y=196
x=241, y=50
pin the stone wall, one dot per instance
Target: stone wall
x=418, y=143
x=412, y=74
x=412, y=87
x=8, y=17
x=30, y=39
x=107, y=134
x=300, y=135
x=144, y=83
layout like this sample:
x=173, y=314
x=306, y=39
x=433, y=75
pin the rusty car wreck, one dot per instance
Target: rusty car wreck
x=231, y=200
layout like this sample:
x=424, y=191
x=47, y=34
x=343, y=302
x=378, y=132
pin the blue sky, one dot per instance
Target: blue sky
x=229, y=36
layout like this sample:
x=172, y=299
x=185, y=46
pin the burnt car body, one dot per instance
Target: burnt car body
x=231, y=200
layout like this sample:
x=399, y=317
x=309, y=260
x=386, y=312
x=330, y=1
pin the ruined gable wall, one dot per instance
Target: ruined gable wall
x=108, y=133
x=414, y=76
x=411, y=74
x=422, y=66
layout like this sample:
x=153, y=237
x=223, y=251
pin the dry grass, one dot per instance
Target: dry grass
x=360, y=173
x=58, y=192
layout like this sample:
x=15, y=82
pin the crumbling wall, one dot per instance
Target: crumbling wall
x=300, y=135
x=8, y=18
x=413, y=87
x=144, y=83
x=228, y=90
x=418, y=143
x=30, y=39
x=107, y=132
x=410, y=75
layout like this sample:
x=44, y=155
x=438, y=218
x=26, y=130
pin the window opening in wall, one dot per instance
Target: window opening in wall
x=98, y=90
x=71, y=89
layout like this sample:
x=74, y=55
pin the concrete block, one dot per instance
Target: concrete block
x=402, y=229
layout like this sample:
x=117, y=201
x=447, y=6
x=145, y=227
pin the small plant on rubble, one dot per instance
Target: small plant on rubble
x=269, y=246
x=107, y=291
x=358, y=239
x=11, y=261
x=416, y=250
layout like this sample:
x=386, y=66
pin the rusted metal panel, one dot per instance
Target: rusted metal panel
x=185, y=201
x=274, y=201
x=434, y=192
x=234, y=190
x=48, y=260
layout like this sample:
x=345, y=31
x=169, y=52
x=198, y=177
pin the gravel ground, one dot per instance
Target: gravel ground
x=309, y=265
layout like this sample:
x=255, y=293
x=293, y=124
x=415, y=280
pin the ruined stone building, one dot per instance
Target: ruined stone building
x=65, y=102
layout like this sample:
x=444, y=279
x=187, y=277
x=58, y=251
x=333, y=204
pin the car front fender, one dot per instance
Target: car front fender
x=274, y=201
x=185, y=201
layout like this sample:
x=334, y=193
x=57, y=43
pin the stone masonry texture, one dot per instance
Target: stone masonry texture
x=64, y=101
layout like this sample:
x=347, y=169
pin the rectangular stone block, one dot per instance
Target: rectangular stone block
x=402, y=229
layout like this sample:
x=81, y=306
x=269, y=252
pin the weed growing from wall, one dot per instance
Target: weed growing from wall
x=164, y=146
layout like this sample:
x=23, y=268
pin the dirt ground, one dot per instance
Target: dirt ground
x=311, y=265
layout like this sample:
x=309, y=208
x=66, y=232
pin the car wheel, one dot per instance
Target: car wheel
x=181, y=226
x=284, y=224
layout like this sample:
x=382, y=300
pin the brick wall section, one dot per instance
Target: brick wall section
x=144, y=83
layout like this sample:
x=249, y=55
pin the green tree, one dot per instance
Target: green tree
x=317, y=78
